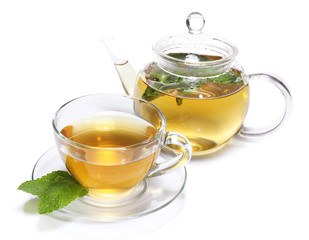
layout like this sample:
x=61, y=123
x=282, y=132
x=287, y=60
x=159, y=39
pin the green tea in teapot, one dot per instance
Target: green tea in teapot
x=207, y=110
x=195, y=80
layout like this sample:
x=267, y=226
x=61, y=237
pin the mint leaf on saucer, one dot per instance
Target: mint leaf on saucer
x=55, y=190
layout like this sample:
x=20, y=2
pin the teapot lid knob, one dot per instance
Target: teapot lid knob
x=195, y=22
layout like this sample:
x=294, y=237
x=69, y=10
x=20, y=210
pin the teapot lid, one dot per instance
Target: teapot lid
x=195, y=42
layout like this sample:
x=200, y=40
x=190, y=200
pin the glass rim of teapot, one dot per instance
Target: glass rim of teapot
x=196, y=44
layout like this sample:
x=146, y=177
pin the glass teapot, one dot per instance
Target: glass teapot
x=200, y=88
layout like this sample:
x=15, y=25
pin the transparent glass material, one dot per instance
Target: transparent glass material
x=194, y=43
x=204, y=93
x=160, y=192
x=114, y=168
x=209, y=99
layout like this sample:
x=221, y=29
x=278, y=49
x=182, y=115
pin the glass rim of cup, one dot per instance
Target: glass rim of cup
x=159, y=132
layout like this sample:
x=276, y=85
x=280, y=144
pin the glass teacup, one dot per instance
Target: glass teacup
x=110, y=144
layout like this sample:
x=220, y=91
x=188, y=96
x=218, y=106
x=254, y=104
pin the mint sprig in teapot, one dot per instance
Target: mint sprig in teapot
x=199, y=86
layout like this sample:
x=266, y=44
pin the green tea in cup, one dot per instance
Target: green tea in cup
x=110, y=144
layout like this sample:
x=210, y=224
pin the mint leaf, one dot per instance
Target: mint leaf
x=160, y=81
x=60, y=194
x=179, y=101
x=232, y=76
x=39, y=186
x=56, y=190
x=151, y=94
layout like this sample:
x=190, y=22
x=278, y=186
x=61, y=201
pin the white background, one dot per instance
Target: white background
x=50, y=53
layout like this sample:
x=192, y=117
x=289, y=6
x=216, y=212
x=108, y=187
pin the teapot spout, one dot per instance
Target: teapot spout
x=125, y=71
x=127, y=77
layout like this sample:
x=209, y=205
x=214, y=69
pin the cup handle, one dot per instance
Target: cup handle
x=182, y=158
x=281, y=85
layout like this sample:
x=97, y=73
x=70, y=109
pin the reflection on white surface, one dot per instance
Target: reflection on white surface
x=125, y=229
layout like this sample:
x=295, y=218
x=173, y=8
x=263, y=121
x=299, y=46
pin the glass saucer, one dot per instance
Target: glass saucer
x=160, y=191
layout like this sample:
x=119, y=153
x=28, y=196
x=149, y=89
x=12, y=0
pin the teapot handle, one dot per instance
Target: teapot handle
x=281, y=85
